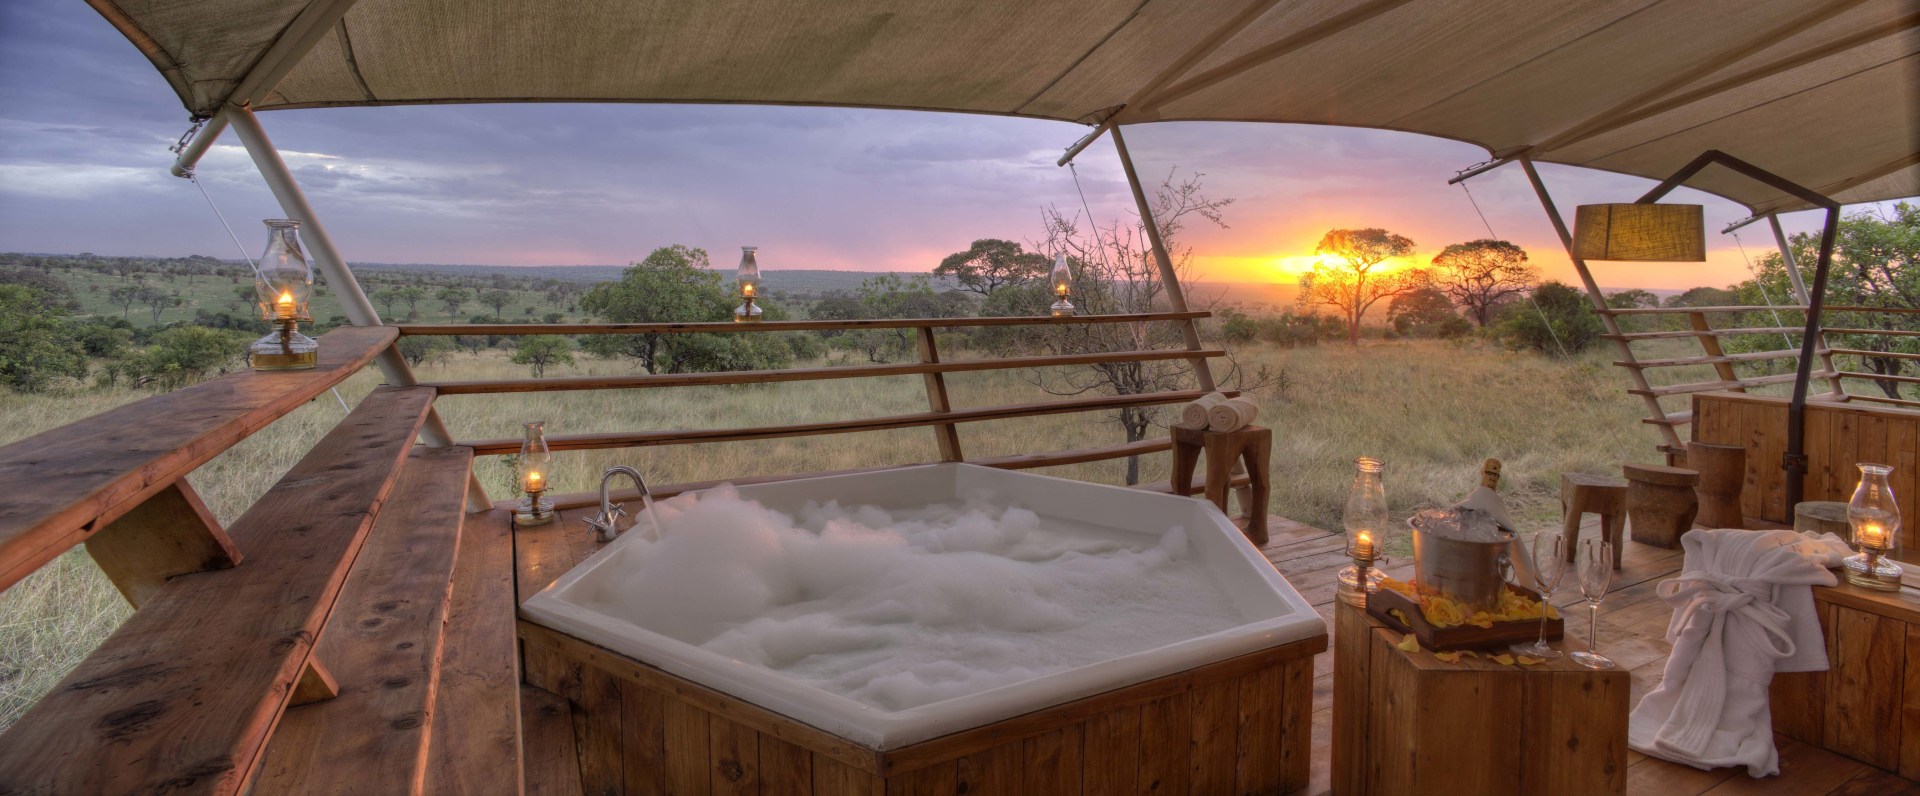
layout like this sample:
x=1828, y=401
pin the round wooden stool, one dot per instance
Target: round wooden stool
x=1660, y=502
x=1822, y=516
x=1585, y=493
x=1723, y=473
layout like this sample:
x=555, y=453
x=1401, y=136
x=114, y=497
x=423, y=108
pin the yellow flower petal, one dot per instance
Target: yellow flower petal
x=1448, y=657
x=1503, y=659
x=1526, y=660
x=1409, y=644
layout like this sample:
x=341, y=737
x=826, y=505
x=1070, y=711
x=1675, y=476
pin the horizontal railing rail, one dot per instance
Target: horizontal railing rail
x=656, y=380
x=642, y=439
x=511, y=329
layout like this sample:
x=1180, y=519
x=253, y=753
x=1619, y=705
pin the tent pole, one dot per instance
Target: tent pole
x=1786, y=256
x=202, y=141
x=1175, y=296
x=1796, y=457
x=339, y=276
x=1600, y=306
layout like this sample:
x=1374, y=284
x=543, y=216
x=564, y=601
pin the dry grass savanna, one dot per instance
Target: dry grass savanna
x=1431, y=409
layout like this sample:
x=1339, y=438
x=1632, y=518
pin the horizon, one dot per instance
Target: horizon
x=816, y=188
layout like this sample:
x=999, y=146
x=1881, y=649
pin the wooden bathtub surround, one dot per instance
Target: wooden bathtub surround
x=1838, y=436
x=1585, y=493
x=1237, y=726
x=1722, y=470
x=1661, y=503
x=1251, y=446
x=1408, y=722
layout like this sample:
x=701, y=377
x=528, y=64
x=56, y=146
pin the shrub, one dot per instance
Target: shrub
x=37, y=345
x=186, y=354
x=1559, y=318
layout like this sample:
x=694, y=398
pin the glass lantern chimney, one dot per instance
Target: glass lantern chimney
x=282, y=286
x=749, y=278
x=1366, y=523
x=1062, y=280
x=1874, y=518
x=536, y=471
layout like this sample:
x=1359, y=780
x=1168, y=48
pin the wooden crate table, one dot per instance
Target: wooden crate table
x=1867, y=704
x=1408, y=722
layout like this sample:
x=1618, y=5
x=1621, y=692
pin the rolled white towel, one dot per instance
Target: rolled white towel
x=1232, y=414
x=1193, y=416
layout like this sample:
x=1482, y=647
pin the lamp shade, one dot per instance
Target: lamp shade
x=1644, y=232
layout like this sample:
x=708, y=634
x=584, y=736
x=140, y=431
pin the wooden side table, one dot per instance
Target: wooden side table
x=1408, y=722
x=1252, y=445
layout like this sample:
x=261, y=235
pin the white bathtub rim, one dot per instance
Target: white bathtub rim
x=882, y=729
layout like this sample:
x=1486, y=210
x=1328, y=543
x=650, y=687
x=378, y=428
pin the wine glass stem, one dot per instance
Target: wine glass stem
x=1544, y=594
x=1593, y=627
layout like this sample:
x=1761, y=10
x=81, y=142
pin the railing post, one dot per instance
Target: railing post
x=946, y=434
x=353, y=300
x=1711, y=345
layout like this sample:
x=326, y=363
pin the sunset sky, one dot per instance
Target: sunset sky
x=87, y=123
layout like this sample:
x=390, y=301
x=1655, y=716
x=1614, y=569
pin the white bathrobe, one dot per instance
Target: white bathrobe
x=1742, y=610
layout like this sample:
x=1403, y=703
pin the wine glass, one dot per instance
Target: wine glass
x=1595, y=569
x=1548, y=554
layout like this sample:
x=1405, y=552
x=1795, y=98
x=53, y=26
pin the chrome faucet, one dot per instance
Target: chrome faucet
x=606, y=526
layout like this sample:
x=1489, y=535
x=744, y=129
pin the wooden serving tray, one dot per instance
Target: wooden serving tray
x=1461, y=637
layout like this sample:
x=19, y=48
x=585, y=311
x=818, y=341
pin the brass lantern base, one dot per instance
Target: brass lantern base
x=1871, y=570
x=284, y=348
x=534, y=509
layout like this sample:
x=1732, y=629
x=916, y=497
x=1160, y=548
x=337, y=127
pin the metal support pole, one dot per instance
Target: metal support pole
x=1600, y=304
x=1834, y=387
x=1795, y=462
x=1176, y=297
x=202, y=141
x=1786, y=255
x=339, y=276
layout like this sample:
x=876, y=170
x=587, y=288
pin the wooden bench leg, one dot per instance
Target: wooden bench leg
x=1615, y=525
x=170, y=534
x=1186, y=457
x=1256, y=455
x=1570, y=531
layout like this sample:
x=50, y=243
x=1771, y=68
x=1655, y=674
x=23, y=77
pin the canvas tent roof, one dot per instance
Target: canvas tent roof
x=1823, y=92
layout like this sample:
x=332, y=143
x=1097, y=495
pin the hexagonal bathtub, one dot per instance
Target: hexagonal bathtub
x=1245, y=630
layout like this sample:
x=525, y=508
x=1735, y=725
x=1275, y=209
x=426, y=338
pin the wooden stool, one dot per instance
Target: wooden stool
x=1252, y=445
x=1661, y=503
x=1822, y=516
x=1723, y=473
x=1585, y=493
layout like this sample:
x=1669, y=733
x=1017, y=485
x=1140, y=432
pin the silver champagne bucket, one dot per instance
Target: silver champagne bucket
x=1471, y=573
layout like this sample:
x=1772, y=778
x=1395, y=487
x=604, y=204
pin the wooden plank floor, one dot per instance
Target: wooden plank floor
x=1633, y=625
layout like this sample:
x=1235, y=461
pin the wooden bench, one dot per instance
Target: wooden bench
x=421, y=641
x=182, y=698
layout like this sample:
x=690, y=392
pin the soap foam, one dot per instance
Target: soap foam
x=897, y=609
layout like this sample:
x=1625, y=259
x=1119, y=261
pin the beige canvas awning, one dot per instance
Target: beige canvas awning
x=1823, y=92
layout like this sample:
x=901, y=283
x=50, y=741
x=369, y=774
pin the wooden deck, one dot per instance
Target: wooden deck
x=1633, y=625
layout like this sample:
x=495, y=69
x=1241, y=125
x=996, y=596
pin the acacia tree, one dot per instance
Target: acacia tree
x=1351, y=282
x=412, y=295
x=1114, y=272
x=1480, y=274
x=990, y=264
x=497, y=299
x=538, y=351
x=451, y=298
x=125, y=296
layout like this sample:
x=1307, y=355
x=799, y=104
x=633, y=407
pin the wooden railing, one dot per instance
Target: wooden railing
x=941, y=416
x=1728, y=378
x=191, y=694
